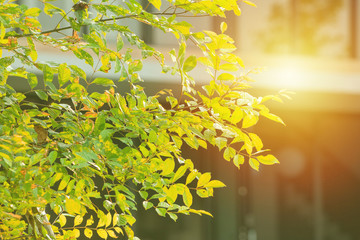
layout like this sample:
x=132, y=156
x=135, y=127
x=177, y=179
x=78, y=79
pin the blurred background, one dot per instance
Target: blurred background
x=311, y=47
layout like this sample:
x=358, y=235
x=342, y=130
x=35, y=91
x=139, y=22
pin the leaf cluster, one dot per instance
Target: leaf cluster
x=64, y=148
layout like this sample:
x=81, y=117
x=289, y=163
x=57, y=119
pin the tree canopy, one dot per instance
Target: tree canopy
x=73, y=128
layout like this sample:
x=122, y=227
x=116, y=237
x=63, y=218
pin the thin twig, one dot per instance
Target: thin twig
x=102, y=20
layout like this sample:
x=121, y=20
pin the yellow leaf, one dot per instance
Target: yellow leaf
x=254, y=163
x=62, y=220
x=156, y=3
x=129, y=232
x=115, y=219
x=187, y=197
x=119, y=230
x=204, y=179
x=130, y=219
x=236, y=116
x=272, y=117
x=249, y=120
x=268, y=159
x=75, y=233
x=172, y=194
x=168, y=167
x=102, y=219
x=90, y=221
x=72, y=206
x=237, y=10
x=205, y=212
x=190, y=177
x=108, y=219
x=78, y=220
x=238, y=159
x=249, y=3
x=223, y=27
x=256, y=141
x=33, y=55
x=2, y=31
x=102, y=233
x=111, y=233
x=88, y=233
x=63, y=183
x=215, y=184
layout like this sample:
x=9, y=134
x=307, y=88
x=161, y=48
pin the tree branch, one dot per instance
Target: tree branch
x=101, y=20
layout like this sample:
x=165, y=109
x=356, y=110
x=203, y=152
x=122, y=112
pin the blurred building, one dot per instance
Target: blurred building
x=312, y=48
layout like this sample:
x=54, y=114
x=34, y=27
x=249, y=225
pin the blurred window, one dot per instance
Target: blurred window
x=302, y=27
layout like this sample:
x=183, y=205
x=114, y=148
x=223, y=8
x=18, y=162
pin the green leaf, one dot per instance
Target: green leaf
x=64, y=74
x=147, y=205
x=190, y=64
x=173, y=216
x=82, y=54
x=2, y=179
x=144, y=194
x=152, y=136
x=161, y=211
x=78, y=71
x=135, y=66
x=48, y=74
x=181, y=53
x=268, y=159
x=32, y=79
x=103, y=81
x=119, y=42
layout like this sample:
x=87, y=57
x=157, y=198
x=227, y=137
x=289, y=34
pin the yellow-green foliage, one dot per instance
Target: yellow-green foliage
x=57, y=137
